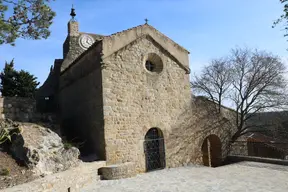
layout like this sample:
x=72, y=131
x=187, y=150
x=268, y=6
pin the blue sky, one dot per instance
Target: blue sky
x=208, y=29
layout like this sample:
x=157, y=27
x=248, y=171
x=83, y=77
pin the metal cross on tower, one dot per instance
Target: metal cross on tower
x=146, y=21
x=72, y=14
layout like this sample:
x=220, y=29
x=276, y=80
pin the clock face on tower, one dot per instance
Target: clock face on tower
x=85, y=41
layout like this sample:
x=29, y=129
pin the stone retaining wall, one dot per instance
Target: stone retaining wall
x=21, y=109
x=71, y=180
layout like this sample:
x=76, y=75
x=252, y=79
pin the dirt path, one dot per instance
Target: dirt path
x=11, y=173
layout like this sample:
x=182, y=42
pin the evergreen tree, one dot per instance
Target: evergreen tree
x=17, y=83
x=8, y=80
x=26, y=84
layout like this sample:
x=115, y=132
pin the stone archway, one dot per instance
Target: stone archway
x=154, y=150
x=212, y=151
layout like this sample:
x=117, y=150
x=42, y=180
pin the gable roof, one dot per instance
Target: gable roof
x=275, y=143
x=112, y=44
x=96, y=37
x=155, y=42
x=116, y=41
x=259, y=137
x=140, y=26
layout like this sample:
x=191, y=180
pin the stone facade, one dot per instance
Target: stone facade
x=48, y=94
x=80, y=101
x=107, y=98
x=136, y=100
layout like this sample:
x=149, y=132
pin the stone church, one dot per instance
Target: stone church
x=126, y=97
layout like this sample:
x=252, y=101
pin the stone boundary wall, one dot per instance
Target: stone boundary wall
x=239, y=148
x=186, y=139
x=21, y=109
x=239, y=158
x=71, y=180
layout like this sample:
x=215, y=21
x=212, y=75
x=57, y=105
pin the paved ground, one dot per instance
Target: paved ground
x=240, y=177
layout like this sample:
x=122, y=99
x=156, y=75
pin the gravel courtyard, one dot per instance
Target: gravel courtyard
x=242, y=177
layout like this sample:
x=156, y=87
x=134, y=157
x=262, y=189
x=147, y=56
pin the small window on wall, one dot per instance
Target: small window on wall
x=153, y=63
x=150, y=66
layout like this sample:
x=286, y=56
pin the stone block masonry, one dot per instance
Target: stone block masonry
x=119, y=171
x=21, y=109
x=136, y=100
x=80, y=102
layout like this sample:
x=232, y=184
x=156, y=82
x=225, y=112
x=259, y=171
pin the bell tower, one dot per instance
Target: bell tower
x=73, y=25
x=72, y=36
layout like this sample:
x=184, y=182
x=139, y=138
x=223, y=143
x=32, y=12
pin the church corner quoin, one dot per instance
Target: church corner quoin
x=126, y=97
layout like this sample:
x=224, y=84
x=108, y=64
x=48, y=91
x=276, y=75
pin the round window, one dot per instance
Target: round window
x=153, y=63
x=150, y=66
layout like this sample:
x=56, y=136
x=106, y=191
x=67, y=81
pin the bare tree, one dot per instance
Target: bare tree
x=256, y=84
x=214, y=81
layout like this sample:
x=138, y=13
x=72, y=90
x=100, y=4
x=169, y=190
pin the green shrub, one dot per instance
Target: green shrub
x=4, y=172
x=5, y=134
x=67, y=145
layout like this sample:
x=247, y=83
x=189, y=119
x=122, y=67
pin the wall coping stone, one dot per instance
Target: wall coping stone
x=238, y=158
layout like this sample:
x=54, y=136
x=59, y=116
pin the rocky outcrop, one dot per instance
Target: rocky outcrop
x=42, y=150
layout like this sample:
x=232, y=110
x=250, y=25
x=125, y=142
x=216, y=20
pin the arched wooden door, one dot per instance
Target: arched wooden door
x=154, y=150
x=212, y=151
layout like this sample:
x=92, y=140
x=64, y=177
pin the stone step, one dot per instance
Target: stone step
x=117, y=171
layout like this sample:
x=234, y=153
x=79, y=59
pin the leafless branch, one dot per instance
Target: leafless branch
x=254, y=81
